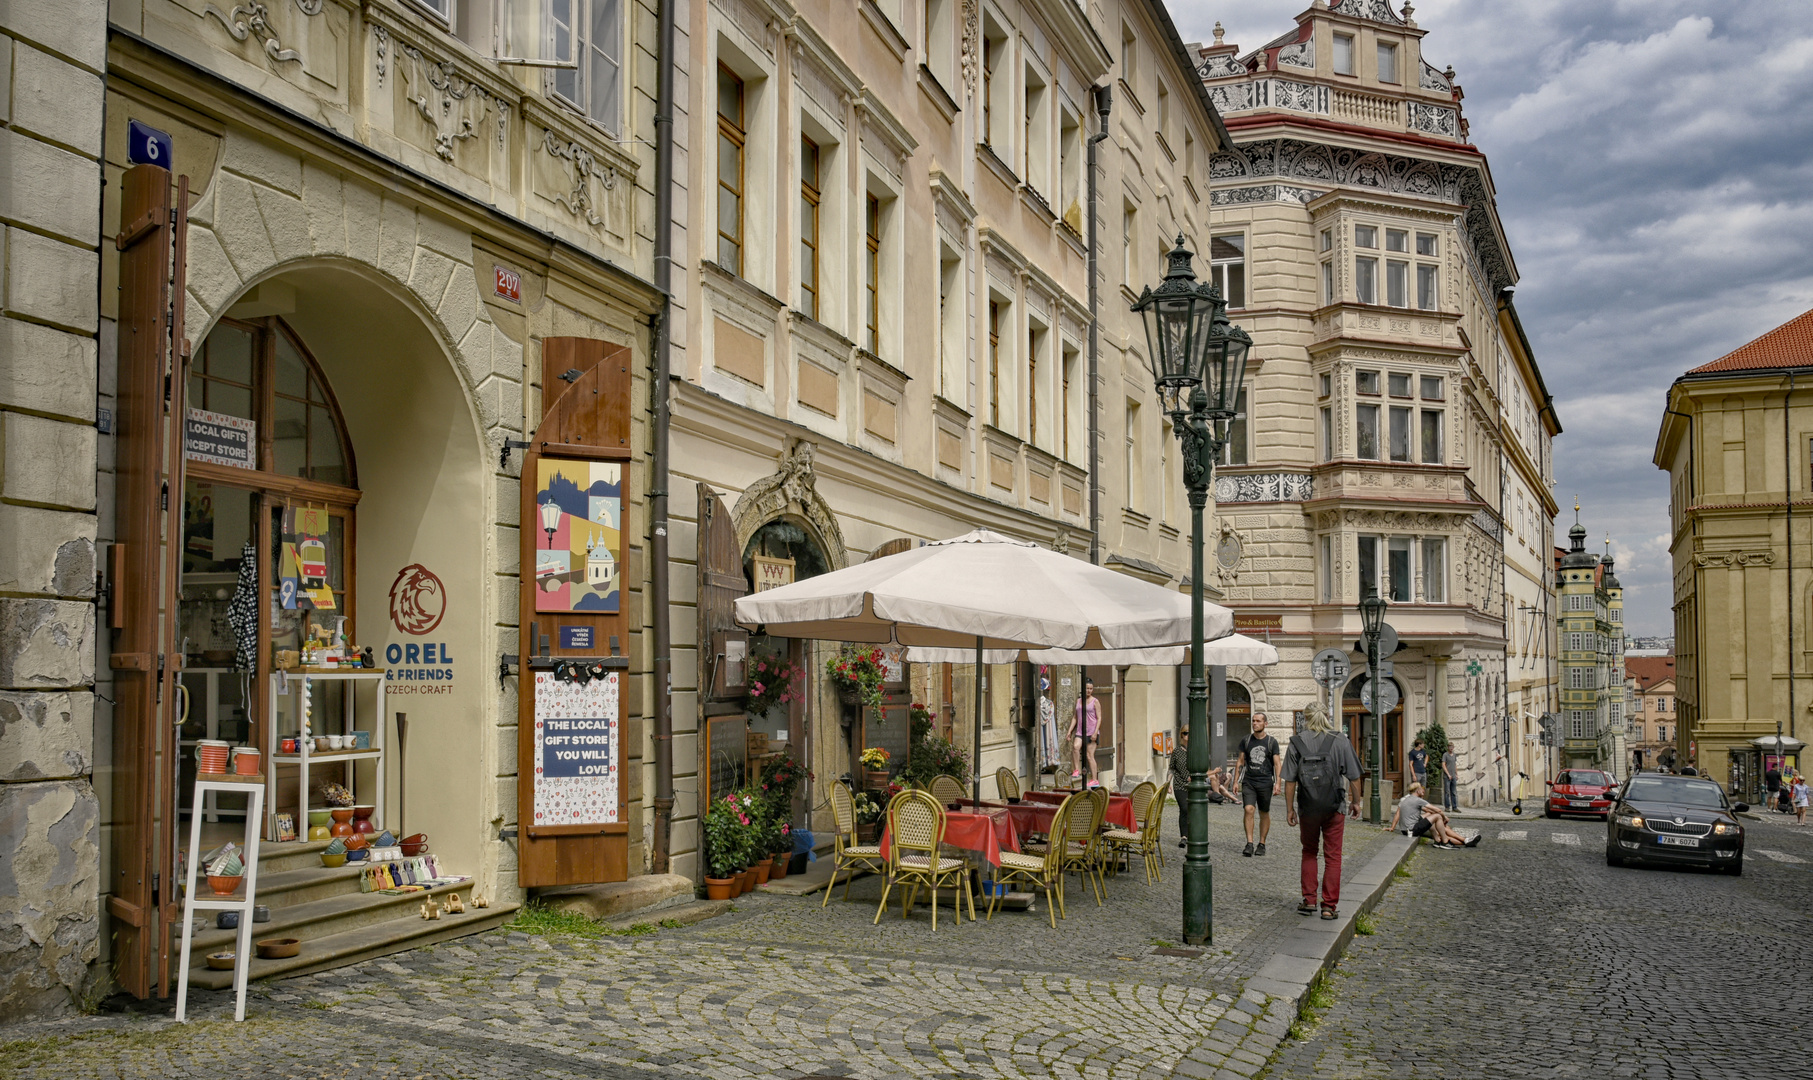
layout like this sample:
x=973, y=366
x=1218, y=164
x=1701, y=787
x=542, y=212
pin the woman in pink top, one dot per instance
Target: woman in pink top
x=1085, y=732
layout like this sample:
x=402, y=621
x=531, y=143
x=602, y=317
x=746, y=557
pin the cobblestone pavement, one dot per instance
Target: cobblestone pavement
x=1529, y=957
x=779, y=988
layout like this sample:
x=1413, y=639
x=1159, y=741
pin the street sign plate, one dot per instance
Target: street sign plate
x=1330, y=667
x=1388, y=697
x=146, y=145
x=1388, y=639
x=1387, y=669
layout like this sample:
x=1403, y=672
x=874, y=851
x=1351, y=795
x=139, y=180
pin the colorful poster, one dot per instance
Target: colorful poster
x=579, y=549
x=576, y=732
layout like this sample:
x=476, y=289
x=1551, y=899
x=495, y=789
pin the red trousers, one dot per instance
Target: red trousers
x=1326, y=833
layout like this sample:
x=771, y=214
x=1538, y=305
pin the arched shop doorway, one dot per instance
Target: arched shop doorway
x=334, y=501
x=1391, y=746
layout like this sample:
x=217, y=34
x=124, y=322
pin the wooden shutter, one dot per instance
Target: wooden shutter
x=143, y=602
x=585, y=416
x=720, y=582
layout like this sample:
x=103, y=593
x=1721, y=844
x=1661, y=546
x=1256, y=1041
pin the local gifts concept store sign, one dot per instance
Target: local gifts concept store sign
x=577, y=727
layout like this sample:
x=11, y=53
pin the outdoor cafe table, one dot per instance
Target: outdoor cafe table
x=1039, y=806
x=987, y=833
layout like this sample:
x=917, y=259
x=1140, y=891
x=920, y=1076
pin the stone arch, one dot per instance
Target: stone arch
x=791, y=492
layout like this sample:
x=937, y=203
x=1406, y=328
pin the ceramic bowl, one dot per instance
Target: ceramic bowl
x=333, y=860
x=227, y=920
x=317, y=817
x=279, y=948
x=221, y=961
x=224, y=886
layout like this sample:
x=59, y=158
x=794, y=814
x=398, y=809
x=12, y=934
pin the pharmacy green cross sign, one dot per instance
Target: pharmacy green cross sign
x=1473, y=668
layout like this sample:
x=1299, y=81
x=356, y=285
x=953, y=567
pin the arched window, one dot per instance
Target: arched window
x=260, y=371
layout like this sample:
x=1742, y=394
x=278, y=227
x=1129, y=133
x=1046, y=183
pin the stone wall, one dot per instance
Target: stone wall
x=52, y=56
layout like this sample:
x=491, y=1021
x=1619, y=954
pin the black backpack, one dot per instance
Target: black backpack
x=1319, y=791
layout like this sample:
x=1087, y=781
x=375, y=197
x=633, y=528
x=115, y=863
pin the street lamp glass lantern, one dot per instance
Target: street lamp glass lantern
x=1372, y=612
x=1178, y=317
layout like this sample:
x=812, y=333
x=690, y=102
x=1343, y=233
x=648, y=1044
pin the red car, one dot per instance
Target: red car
x=1581, y=791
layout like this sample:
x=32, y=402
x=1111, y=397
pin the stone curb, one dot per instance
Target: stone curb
x=1272, y=999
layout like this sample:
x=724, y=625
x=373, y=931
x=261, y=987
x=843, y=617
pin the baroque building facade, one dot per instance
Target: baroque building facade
x=1591, y=725
x=1397, y=433
x=1736, y=439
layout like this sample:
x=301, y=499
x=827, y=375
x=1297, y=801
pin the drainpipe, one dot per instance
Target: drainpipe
x=660, y=622
x=1104, y=102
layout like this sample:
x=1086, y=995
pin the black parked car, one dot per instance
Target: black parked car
x=1675, y=819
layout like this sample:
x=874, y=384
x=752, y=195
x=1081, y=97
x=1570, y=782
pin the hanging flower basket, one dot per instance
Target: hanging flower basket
x=857, y=674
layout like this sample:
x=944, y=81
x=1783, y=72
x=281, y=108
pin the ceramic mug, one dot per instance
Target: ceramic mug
x=336, y=742
x=289, y=746
x=321, y=743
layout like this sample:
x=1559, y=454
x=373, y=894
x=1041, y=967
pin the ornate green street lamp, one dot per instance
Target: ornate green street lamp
x=1372, y=617
x=1199, y=363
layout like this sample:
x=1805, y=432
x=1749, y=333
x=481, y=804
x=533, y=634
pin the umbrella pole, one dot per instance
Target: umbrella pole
x=976, y=761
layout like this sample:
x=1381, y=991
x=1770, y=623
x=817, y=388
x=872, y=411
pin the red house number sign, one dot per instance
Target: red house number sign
x=509, y=284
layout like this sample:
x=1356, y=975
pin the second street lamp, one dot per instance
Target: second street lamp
x=1198, y=365
x=1372, y=619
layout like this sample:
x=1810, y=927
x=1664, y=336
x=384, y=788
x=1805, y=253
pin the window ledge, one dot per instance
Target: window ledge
x=940, y=97
x=1133, y=98
x=885, y=29
x=986, y=154
x=1165, y=145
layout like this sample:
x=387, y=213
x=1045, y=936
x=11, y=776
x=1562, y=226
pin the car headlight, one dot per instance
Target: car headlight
x=1727, y=829
x=1634, y=821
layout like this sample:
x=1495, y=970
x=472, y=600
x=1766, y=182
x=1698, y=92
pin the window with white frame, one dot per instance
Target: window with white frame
x=1385, y=564
x=1129, y=272
x=1070, y=169
x=1070, y=361
x=809, y=199
x=1344, y=54
x=733, y=134
x=1388, y=62
x=1135, y=471
x=997, y=90
x=952, y=316
x=593, y=32
x=1328, y=433
x=1326, y=569
x=1227, y=267
x=938, y=40
x=1576, y=724
x=1434, y=570
x=1328, y=282
x=1234, y=450
x=1366, y=431
x=1366, y=279
x=1035, y=134
x=871, y=264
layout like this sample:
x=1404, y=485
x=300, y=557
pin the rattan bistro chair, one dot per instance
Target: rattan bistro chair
x=947, y=790
x=915, y=835
x=1148, y=810
x=1044, y=870
x=1007, y=783
x=848, y=855
x=1078, y=843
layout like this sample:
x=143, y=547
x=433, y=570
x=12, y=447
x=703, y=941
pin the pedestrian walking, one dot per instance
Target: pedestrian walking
x=1450, y=775
x=1180, y=782
x=1259, y=781
x=1085, y=730
x=1321, y=786
x=1799, y=791
x=1772, y=783
x=1419, y=762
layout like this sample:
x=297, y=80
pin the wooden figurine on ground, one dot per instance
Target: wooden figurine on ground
x=480, y=902
x=453, y=906
x=430, y=910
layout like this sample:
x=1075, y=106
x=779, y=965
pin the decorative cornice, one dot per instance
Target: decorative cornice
x=252, y=19
x=1263, y=487
x=1734, y=558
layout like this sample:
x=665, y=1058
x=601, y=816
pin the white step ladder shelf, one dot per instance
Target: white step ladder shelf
x=253, y=788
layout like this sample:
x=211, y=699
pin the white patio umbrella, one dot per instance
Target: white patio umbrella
x=985, y=591
x=1228, y=651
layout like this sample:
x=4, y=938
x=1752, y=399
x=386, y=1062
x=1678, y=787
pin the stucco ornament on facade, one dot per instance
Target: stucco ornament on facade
x=1221, y=66
x=1302, y=54
x=452, y=104
x=1432, y=79
x=791, y=490
x=1263, y=487
x=1734, y=558
x=1376, y=10
x=578, y=201
x=252, y=19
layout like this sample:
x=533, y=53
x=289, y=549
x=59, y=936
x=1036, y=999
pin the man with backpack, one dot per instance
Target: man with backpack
x=1321, y=781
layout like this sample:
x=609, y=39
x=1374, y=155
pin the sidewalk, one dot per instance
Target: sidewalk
x=782, y=986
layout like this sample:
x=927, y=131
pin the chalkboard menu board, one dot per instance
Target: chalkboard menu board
x=727, y=742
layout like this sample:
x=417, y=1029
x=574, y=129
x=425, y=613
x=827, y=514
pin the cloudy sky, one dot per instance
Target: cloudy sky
x=1654, y=162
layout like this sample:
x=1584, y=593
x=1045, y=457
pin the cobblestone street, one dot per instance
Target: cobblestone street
x=1531, y=958
x=778, y=988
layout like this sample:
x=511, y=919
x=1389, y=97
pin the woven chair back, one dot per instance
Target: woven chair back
x=1008, y=783
x=1060, y=827
x=843, y=811
x=1085, y=818
x=946, y=790
x=916, y=825
x=1142, y=801
x=1155, y=810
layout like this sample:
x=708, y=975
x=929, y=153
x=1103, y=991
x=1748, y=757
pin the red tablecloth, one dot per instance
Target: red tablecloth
x=988, y=833
x=1035, y=816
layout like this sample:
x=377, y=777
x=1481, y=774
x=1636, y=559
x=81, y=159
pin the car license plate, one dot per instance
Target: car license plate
x=1679, y=841
x=1581, y=802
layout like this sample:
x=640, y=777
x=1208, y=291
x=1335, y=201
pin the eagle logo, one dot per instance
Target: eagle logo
x=417, y=600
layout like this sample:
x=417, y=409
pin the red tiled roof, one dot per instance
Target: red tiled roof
x=1649, y=670
x=1788, y=345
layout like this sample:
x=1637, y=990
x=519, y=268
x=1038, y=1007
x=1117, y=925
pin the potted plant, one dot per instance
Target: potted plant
x=931, y=755
x=783, y=851
x=725, y=829
x=868, y=817
x=762, y=827
x=857, y=673
x=772, y=683
x=874, y=761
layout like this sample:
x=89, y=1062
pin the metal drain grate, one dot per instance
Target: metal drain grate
x=1188, y=954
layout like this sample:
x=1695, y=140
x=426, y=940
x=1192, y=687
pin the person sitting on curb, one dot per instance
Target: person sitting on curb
x=1416, y=816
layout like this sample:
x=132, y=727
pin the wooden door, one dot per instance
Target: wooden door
x=146, y=658
x=723, y=749
x=585, y=421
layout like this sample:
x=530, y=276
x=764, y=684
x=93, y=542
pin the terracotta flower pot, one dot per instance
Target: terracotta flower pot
x=868, y=832
x=343, y=821
x=748, y=878
x=224, y=886
x=761, y=871
x=779, y=867
x=875, y=779
x=720, y=888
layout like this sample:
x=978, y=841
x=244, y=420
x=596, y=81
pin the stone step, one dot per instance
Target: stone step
x=362, y=943
x=293, y=855
x=327, y=917
x=288, y=888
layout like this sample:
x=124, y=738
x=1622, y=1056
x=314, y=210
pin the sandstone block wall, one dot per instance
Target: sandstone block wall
x=50, y=197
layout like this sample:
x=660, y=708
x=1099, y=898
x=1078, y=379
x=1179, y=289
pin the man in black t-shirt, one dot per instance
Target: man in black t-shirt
x=1259, y=781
